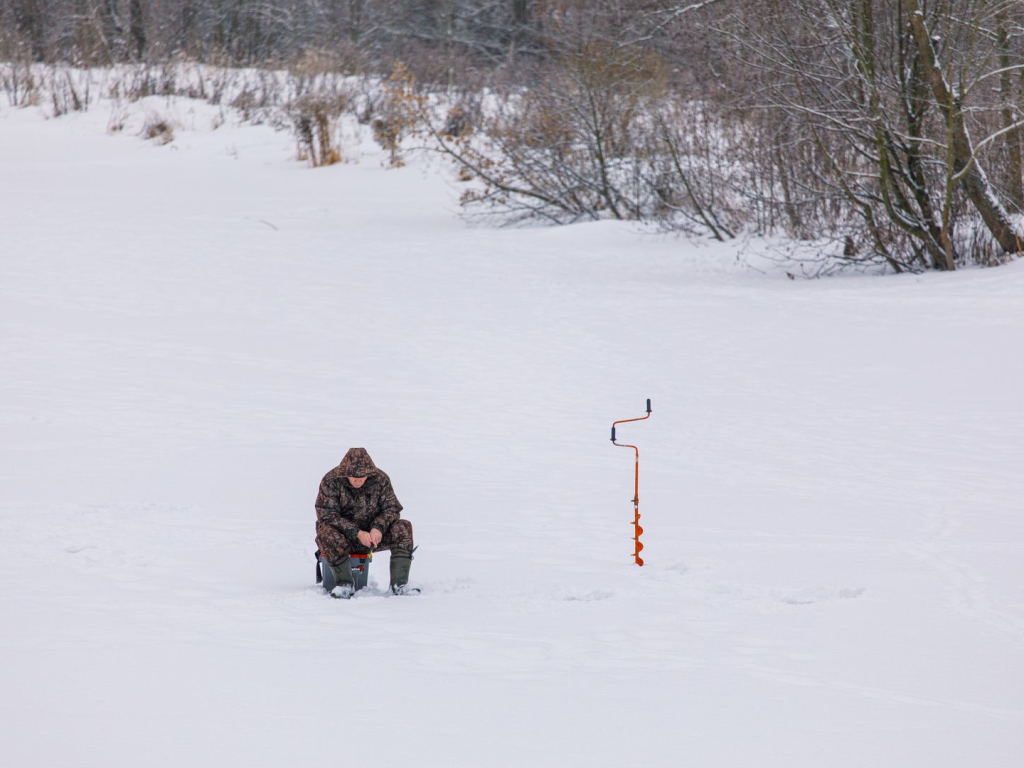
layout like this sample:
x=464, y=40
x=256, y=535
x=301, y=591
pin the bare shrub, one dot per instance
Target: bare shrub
x=443, y=67
x=216, y=81
x=118, y=118
x=20, y=83
x=576, y=145
x=400, y=111
x=463, y=115
x=366, y=99
x=314, y=121
x=165, y=80
x=139, y=82
x=341, y=60
x=248, y=101
x=259, y=97
x=696, y=187
x=68, y=96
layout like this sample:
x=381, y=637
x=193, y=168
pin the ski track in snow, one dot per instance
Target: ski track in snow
x=829, y=481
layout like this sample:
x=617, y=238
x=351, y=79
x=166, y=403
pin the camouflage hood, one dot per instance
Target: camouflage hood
x=357, y=463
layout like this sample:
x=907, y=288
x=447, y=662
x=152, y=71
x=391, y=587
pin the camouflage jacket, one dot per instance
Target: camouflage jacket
x=351, y=510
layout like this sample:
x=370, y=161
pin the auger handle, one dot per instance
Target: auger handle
x=648, y=405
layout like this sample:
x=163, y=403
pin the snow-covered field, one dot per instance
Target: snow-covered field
x=192, y=335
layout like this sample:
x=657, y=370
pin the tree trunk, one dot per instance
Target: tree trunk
x=136, y=29
x=520, y=22
x=976, y=183
x=1015, y=162
x=355, y=20
x=30, y=18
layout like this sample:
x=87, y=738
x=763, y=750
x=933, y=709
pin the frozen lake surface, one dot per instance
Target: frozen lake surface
x=193, y=334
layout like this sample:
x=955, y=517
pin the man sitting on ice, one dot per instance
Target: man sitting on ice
x=357, y=513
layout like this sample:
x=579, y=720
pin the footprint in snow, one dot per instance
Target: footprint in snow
x=74, y=550
x=586, y=597
x=812, y=596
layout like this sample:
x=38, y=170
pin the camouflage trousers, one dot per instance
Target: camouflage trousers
x=336, y=546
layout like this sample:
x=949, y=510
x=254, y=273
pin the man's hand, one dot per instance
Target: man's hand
x=370, y=539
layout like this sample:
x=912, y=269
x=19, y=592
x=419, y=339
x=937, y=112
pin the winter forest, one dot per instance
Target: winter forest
x=880, y=132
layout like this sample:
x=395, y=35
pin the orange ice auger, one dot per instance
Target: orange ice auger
x=637, y=530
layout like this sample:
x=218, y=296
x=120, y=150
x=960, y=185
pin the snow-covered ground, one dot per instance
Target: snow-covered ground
x=191, y=335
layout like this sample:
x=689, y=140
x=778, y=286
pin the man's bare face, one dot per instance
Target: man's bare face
x=357, y=482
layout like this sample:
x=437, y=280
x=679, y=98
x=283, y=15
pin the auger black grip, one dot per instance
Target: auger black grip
x=613, y=434
x=648, y=405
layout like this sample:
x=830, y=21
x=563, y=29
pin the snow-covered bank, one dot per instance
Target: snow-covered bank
x=193, y=334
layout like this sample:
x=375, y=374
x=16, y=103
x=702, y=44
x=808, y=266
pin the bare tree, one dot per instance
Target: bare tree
x=966, y=162
x=883, y=154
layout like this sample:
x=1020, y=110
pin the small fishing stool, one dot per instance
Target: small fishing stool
x=360, y=565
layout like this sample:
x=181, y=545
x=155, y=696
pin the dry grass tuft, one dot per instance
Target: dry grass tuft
x=314, y=120
x=158, y=129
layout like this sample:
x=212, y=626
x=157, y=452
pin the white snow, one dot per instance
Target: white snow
x=191, y=335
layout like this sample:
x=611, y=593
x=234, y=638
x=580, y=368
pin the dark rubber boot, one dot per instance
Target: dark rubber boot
x=401, y=564
x=338, y=579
